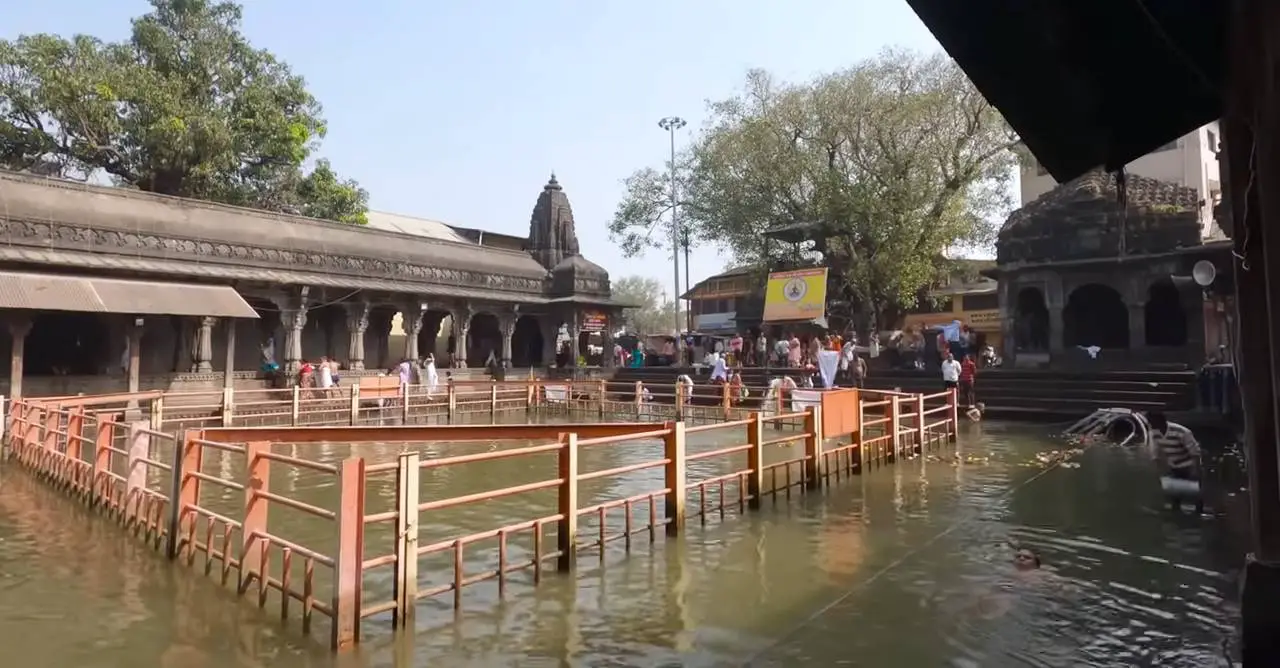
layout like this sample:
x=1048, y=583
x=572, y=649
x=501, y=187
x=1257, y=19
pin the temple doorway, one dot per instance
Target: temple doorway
x=1164, y=318
x=429, y=340
x=1031, y=321
x=1096, y=316
x=526, y=342
x=484, y=339
x=64, y=343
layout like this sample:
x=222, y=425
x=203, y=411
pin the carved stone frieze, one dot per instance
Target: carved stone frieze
x=76, y=237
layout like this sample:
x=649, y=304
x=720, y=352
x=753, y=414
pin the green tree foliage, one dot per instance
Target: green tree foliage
x=186, y=106
x=654, y=313
x=894, y=164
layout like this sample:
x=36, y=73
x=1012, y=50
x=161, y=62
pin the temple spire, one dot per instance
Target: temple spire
x=552, y=236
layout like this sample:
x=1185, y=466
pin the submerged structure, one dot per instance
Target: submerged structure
x=1095, y=275
x=107, y=289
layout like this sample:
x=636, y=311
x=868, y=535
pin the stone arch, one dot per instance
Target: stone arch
x=1164, y=318
x=1031, y=320
x=71, y=344
x=526, y=342
x=484, y=336
x=1096, y=315
x=430, y=341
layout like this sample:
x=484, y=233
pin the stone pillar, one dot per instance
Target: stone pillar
x=549, y=326
x=507, y=324
x=202, y=346
x=575, y=339
x=411, y=315
x=608, y=360
x=357, y=324
x=228, y=373
x=1137, y=325
x=19, y=327
x=135, y=355
x=293, y=318
x=461, y=327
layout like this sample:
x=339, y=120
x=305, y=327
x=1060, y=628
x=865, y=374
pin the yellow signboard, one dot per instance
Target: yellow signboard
x=796, y=295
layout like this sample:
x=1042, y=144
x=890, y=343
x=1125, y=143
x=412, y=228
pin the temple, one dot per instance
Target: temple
x=106, y=289
x=1093, y=276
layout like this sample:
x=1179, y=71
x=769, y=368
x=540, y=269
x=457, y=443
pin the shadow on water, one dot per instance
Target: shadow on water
x=906, y=565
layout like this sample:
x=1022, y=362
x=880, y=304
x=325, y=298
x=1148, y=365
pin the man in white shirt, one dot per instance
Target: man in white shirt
x=950, y=371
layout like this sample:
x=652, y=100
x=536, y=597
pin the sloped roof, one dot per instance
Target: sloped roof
x=39, y=200
x=1088, y=83
x=421, y=227
x=1096, y=186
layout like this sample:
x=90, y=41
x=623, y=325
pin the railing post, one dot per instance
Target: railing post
x=604, y=390
x=355, y=405
x=920, y=423
x=102, y=459
x=781, y=407
x=673, y=451
x=228, y=405
x=295, y=406
x=895, y=423
x=493, y=398
x=75, y=432
x=136, y=473
x=755, y=461
x=348, y=570
x=156, y=417
x=953, y=403
x=813, y=447
x=679, y=407
x=406, y=583
x=725, y=400
x=453, y=399
x=404, y=403
x=189, y=485
x=567, y=527
x=257, y=478
x=6, y=418
x=859, y=453
x=176, y=507
x=638, y=398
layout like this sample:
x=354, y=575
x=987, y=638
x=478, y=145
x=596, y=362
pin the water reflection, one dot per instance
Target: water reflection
x=906, y=565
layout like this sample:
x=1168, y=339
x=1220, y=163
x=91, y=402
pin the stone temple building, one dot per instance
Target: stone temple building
x=1093, y=264
x=107, y=289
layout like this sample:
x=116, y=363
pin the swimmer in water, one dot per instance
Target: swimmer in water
x=1025, y=559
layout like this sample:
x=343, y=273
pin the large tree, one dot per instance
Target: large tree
x=653, y=313
x=186, y=106
x=895, y=163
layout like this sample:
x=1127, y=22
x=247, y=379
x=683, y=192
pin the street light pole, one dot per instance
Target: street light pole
x=671, y=124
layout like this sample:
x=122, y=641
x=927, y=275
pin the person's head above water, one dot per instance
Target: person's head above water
x=1158, y=421
x=1026, y=560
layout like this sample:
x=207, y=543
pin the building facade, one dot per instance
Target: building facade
x=726, y=302
x=1091, y=280
x=1190, y=161
x=106, y=289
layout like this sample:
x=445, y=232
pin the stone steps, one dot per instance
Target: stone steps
x=1011, y=393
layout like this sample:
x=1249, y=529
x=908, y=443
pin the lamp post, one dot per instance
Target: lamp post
x=671, y=124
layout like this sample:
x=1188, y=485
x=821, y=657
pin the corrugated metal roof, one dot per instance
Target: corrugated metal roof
x=226, y=272
x=421, y=227
x=52, y=292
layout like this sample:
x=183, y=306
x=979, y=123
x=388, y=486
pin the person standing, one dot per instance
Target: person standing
x=950, y=371
x=858, y=367
x=968, y=374
x=1176, y=446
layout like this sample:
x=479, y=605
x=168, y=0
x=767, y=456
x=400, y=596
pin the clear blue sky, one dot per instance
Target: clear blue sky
x=459, y=111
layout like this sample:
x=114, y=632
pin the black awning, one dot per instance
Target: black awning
x=1089, y=83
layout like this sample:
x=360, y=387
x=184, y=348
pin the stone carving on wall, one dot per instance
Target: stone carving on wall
x=74, y=237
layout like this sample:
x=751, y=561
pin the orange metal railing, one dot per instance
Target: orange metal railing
x=204, y=495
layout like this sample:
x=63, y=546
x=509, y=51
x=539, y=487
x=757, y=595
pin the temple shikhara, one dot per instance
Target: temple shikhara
x=107, y=289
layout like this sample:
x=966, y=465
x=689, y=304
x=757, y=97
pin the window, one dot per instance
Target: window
x=1213, y=141
x=980, y=302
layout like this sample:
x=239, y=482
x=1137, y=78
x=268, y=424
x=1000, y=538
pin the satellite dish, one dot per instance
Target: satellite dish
x=1203, y=273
